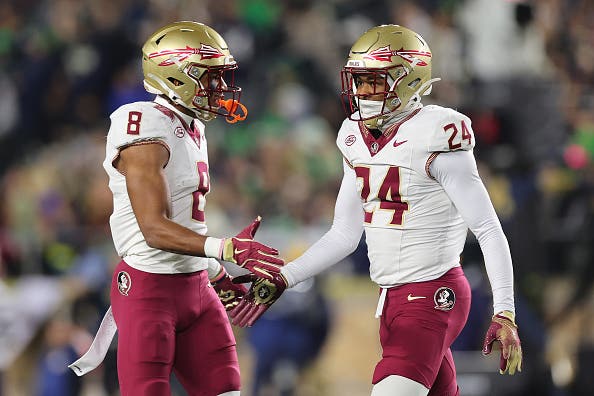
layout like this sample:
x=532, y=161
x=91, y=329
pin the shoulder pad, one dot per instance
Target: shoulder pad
x=347, y=135
x=452, y=132
x=139, y=121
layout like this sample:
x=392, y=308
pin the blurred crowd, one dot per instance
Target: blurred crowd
x=522, y=70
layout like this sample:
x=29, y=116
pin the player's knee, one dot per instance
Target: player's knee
x=225, y=379
x=224, y=374
x=398, y=385
x=453, y=391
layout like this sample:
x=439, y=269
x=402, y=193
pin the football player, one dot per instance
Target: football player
x=411, y=183
x=168, y=316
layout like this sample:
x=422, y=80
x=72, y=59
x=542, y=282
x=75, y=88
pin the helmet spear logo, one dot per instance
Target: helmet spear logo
x=385, y=54
x=181, y=54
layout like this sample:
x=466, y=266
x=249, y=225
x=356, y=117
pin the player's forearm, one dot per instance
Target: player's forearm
x=498, y=264
x=483, y=222
x=164, y=234
x=334, y=246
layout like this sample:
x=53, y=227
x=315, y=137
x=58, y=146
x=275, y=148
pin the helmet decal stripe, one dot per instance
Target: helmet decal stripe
x=181, y=54
x=385, y=54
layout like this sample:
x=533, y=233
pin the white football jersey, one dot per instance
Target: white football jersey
x=413, y=231
x=186, y=173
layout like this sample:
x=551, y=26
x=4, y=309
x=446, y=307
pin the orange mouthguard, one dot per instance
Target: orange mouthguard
x=231, y=106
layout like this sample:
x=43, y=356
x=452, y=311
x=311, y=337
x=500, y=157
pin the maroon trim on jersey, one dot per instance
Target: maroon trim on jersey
x=429, y=162
x=194, y=133
x=165, y=110
x=376, y=145
x=348, y=162
x=173, y=115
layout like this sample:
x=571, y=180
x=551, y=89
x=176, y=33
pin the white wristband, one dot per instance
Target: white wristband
x=213, y=247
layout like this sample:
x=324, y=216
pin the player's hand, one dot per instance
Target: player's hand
x=262, y=294
x=254, y=256
x=229, y=293
x=504, y=330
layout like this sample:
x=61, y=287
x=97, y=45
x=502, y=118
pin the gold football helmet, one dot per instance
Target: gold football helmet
x=189, y=62
x=396, y=63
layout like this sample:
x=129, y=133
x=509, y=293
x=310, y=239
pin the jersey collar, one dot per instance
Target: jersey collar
x=375, y=145
x=184, y=118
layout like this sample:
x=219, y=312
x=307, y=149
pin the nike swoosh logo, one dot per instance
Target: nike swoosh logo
x=236, y=252
x=396, y=144
x=410, y=297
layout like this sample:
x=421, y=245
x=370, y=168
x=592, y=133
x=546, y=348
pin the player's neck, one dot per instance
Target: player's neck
x=376, y=133
x=180, y=108
x=400, y=116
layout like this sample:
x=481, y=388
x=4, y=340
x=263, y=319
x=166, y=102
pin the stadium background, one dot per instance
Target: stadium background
x=522, y=70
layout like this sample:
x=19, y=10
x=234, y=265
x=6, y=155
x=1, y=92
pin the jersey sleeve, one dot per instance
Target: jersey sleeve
x=452, y=132
x=138, y=122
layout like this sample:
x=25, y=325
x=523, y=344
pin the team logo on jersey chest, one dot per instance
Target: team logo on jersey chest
x=350, y=140
x=374, y=147
x=124, y=282
x=444, y=299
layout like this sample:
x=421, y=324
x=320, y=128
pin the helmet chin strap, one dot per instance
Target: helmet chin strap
x=203, y=115
x=424, y=90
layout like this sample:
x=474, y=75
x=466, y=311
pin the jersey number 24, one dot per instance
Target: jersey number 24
x=388, y=193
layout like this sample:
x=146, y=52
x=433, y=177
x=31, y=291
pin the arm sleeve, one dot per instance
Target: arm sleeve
x=458, y=175
x=341, y=240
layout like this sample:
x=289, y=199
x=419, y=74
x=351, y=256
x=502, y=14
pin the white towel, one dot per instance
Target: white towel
x=98, y=349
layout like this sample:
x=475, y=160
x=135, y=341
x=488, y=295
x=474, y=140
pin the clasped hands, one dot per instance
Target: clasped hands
x=246, y=306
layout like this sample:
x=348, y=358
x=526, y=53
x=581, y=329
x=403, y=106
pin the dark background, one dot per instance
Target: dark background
x=522, y=70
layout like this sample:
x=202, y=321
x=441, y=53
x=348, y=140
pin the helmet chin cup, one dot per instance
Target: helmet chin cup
x=232, y=106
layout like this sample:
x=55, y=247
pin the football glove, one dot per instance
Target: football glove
x=229, y=293
x=503, y=328
x=262, y=294
x=254, y=256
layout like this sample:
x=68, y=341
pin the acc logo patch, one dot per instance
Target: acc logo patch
x=444, y=299
x=124, y=282
x=179, y=132
x=350, y=140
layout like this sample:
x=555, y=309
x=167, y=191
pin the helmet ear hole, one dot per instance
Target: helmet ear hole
x=414, y=83
x=175, y=81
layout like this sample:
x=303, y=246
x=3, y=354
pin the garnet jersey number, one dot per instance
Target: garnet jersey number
x=388, y=193
x=453, y=129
